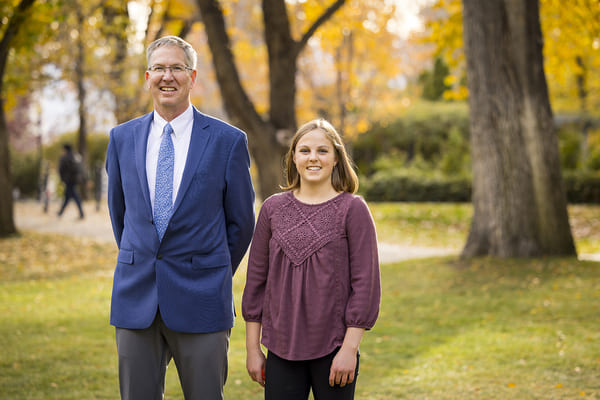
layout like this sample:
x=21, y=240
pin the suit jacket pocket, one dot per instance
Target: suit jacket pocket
x=213, y=260
x=125, y=256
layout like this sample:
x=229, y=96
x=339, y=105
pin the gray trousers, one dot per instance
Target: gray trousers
x=200, y=358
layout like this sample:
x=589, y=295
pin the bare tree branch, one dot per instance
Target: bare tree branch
x=327, y=14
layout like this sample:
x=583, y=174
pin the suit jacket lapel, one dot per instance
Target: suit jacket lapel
x=198, y=142
x=140, y=137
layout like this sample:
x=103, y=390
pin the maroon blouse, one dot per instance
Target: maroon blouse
x=313, y=271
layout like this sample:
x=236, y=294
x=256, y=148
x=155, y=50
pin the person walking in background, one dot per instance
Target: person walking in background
x=69, y=171
x=313, y=280
x=181, y=204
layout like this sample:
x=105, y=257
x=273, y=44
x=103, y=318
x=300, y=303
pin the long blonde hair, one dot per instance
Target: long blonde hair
x=343, y=177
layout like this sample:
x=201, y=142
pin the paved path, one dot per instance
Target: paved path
x=29, y=215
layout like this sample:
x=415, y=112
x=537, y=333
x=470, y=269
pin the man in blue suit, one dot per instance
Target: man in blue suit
x=181, y=203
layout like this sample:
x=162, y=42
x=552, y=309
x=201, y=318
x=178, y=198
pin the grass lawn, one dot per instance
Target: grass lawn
x=448, y=329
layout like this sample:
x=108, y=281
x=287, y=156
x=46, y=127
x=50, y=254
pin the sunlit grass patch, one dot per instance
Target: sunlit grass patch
x=585, y=225
x=424, y=224
x=493, y=329
x=31, y=255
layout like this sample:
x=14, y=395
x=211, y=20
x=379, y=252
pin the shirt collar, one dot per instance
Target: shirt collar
x=177, y=124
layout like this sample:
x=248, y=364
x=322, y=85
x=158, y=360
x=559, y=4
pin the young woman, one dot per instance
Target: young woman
x=313, y=282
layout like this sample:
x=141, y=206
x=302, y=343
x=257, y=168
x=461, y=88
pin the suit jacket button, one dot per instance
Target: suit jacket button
x=159, y=256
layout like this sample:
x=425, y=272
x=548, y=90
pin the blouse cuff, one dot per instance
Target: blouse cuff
x=363, y=325
x=252, y=319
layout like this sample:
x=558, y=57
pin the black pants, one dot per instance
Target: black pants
x=292, y=380
x=71, y=193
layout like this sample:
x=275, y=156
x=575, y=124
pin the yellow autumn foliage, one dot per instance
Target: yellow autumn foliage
x=571, y=32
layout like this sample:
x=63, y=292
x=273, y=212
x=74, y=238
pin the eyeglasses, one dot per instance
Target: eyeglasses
x=175, y=69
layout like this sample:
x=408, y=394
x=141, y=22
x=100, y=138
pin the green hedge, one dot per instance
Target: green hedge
x=25, y=172
x=582, y=188
x=398, y=186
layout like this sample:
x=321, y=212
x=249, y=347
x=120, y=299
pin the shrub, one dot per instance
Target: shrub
x=25, y=170
x=569, y=143
x=418, y=187
x=403, y=186
x=582, y=187
x=434, y=133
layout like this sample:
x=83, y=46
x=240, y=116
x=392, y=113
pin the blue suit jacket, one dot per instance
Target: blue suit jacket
x=188, y=275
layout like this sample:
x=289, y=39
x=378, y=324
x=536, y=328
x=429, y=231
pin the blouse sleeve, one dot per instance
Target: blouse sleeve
x=362, y=308
x=258, y=268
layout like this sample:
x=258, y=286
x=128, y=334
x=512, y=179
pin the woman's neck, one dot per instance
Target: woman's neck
x=315, y=194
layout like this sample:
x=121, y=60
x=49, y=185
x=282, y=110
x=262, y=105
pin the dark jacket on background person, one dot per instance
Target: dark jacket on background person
x=68, y=167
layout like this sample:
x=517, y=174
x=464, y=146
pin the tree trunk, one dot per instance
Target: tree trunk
x=7, y=222
x=582, y=93
x=519, y=200
x=283, y=53
x=81, y=95
x=263, y=146
x=115, y=29
x=267, y=139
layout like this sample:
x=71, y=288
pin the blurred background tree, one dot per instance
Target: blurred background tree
x=18, y=32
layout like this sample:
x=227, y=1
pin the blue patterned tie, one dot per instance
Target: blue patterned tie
x=163, y=191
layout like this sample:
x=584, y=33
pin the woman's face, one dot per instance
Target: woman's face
x=315, y=158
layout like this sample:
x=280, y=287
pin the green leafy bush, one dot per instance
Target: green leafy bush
x=582, y=187
x=25, y=170
x=569, y=143
x=434, y=133
x=403, y=186
x=424, y=155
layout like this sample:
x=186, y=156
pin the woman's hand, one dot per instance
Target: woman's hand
x=343, y=367
x=255, y=364
x=255, y=358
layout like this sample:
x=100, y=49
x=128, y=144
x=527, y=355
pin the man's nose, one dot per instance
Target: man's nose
x=168, y=73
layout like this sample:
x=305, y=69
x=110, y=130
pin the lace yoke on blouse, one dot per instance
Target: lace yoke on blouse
x=302, y=229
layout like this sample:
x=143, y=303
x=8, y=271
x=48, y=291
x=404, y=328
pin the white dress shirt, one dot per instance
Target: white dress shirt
x=182, y=133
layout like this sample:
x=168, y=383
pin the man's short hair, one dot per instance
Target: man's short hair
x=190, y=53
